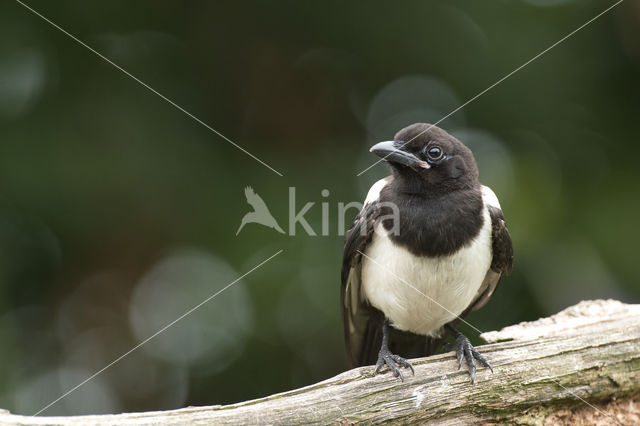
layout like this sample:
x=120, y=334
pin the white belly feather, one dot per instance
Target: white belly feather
x=443, y=287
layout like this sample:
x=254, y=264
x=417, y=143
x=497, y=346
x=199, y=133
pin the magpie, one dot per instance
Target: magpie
x=429, y=245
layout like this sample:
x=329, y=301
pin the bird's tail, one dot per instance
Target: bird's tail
x=241, y=225
x=277, y=227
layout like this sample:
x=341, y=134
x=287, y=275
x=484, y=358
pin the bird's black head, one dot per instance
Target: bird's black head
x=426, y=159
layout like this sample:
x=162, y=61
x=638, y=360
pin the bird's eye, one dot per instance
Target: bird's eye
x=434, y=153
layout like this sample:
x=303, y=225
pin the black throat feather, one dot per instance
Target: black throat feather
x=434, y=224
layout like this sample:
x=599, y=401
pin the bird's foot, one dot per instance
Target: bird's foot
x=463, y=349
x=393, y=362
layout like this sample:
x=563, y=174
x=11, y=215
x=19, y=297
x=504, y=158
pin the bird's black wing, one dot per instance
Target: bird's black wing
x=501, y=242
x=363, y=322
x=362, y=327
x=502, y=261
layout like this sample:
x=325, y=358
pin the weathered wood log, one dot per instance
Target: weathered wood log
x=571, y=364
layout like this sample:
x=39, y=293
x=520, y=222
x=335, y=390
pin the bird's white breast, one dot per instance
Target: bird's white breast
x=418, y=293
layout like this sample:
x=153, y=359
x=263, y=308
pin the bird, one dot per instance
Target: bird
x=429, y=245
x=260, y=213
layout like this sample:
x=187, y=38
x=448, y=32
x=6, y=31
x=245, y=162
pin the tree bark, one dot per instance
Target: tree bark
x=575, y=363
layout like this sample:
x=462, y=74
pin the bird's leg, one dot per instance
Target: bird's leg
x=463, y=349
x=386, y=357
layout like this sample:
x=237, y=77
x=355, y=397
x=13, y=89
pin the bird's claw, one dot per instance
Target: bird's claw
x=464, y=349
x=385, y=357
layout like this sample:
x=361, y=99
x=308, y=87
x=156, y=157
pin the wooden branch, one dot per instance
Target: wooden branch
x=588, y=352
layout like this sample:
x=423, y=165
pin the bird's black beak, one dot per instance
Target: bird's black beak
x=395, y=154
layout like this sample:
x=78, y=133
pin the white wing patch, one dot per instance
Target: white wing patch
x=374, y=192
x=489, y=197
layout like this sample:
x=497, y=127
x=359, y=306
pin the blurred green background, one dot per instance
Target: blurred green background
x=118, y=212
